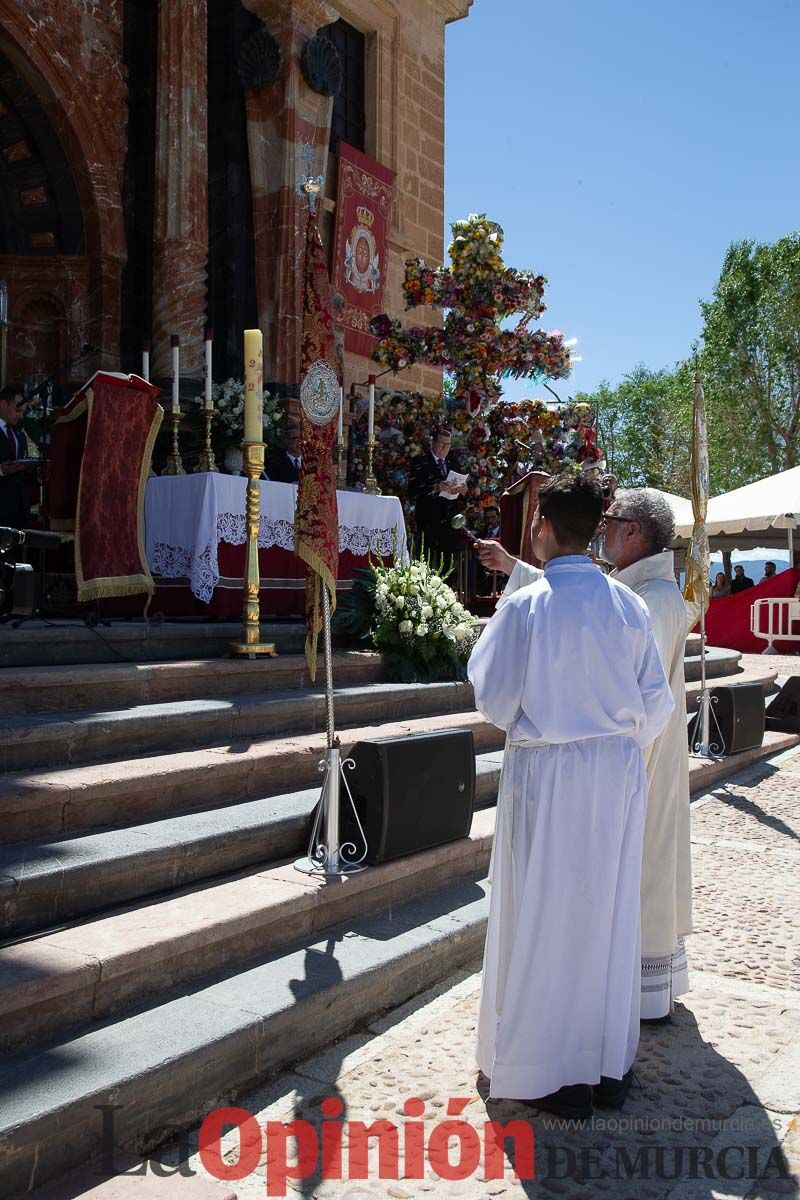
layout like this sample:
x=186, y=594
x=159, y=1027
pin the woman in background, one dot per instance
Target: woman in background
x=721, y=587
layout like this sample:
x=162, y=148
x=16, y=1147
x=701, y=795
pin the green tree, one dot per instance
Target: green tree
x=751, y=362
x=645, y=427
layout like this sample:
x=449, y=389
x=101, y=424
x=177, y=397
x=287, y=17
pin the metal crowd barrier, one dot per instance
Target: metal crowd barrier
x=782, y=621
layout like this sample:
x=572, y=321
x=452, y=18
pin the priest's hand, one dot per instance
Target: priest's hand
x=13, y=467
x=494, y=557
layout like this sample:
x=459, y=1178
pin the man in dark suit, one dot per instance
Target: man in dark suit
x=741, y=582
x=14, y=484
x=491, y=518
x=434, y=514
x=283, y=466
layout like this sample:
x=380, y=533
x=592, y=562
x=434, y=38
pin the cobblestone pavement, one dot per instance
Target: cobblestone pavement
x=719, y=1089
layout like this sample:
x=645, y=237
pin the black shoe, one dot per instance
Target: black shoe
x=665, y=1020
x=612, y=1093
x=573, y=1102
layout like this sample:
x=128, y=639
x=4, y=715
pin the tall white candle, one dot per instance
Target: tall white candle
x=253, y=384
x=340, y=424
x=209, y=338
x=371, y=410
x=146, y=361
x=175, y=342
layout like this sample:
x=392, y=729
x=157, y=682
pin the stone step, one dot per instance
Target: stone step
x=764, y=676
x=168, y=1064
x=41, y=803
x=82, y=974
x=54, y=688
x=55, y=643
x=119, y=685
x=718, y=662
x=693, y=644
x=37, y=740
x=57, y=879
x=36, y=804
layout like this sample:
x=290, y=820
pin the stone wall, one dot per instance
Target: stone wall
x=69, y=53
x=405, y=130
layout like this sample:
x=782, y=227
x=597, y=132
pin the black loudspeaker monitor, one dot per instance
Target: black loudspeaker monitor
x=739, y=712
x=784, y=711
x=411, y=793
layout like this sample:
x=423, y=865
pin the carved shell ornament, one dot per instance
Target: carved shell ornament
x=319, y=393
x=260, y=60
x=321, y=65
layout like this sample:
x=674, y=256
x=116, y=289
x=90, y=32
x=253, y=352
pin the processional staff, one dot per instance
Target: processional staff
x=320, y=398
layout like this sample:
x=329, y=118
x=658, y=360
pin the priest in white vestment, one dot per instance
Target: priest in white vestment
x=637, y=529
x=568, y=666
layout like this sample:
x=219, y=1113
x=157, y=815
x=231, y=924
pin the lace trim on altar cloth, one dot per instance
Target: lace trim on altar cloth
x=176, y=562
x=201, y=567
x=358, y=539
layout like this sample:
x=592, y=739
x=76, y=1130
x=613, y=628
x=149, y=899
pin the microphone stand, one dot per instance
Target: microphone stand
x=44, y=467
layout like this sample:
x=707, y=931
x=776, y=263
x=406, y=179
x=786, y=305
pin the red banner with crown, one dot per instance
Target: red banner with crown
x=361, y=248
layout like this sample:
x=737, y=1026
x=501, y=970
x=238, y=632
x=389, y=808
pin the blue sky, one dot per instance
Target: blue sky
x=622, y=146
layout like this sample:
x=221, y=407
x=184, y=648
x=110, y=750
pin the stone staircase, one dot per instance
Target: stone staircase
x=160, y=951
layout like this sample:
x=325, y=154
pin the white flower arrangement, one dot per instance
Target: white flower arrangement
x=420, y=623
x=228, y=401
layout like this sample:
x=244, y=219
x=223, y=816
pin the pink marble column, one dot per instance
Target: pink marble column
x=180, y=249
x=283, y=117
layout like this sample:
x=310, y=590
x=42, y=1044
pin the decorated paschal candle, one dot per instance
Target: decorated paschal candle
x=175, y=342
x=209, y=341
x=371, y=409
x=253, y=383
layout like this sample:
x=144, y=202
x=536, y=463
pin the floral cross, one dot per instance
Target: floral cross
x=478, y=291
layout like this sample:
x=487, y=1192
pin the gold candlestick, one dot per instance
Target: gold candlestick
x=174, y=461
x=371, y=483
x=206, y=461
x=251, y=644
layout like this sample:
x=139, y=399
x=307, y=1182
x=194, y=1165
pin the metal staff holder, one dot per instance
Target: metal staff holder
x=701, y=742
x=327, y=855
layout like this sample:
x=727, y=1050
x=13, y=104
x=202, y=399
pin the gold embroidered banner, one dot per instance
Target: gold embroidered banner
x=361, y=247
x=316, y=521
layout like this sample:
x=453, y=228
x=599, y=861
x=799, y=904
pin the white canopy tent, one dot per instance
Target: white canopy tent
x=764, y=513
x=681, y=509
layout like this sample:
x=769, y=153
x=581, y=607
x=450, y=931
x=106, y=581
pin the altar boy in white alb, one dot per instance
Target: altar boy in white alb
x=569, y=668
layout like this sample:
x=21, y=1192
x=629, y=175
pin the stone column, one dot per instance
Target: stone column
x=180, y=236
x=284, y=113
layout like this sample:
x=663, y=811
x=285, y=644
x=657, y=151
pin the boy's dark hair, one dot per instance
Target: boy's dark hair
x=573, y=504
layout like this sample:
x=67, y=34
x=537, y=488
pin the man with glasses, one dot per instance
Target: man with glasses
x=637, y=531
x=14, y=496
x=639, y=528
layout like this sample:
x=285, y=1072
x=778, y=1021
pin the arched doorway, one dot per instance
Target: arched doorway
x=62, y=239
x=42, y=250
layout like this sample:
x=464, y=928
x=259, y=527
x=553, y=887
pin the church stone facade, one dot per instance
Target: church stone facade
x=149, y=152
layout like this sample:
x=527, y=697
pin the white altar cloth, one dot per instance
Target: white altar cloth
x=186, y=516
